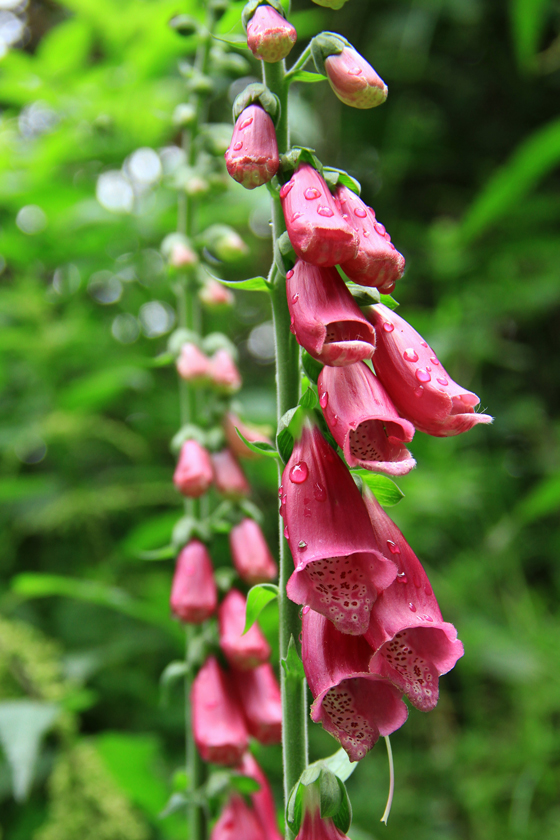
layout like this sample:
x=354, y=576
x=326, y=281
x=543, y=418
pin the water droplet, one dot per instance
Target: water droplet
x=305, y=610
x=423, y=375
x=286, y=189
x=434, y=361
x=280, y=490
x=286, y=533
x=323, y=399
x=417, y=581
x=354, y=71
x=299, y=472
x=292, y=325
x=426, y=617
x=428, y=368
x=334, y=421
x=311, y=193
x=246, y=123
x=320, y=493
x=365, y=232
x=295, y=298
x=419, y=391
x=325, y=211
x=388, y=327
x=423, y=343
x=379, y=228
x=284, y=498
x=237, y=146
x=360, y=212
x=411, y=607
x=302, y=545
x=442, y=381
x=428, y=590
x=290, y=274
x=410, y=355
x=296, y=216
x=393, y=547
x=401, y=577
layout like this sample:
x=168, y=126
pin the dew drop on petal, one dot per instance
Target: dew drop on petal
x=401, y=577
x=423, y=343
x=388, y=327
x=237, y=146
x=434, y=361
x=280, y=491
x=419, y=391
x=302, y=545
x=325, y=211
x=410, y=355
x=393, y=547
x=284, y=498
x=295, y=298
x=428, y=590
x=305, y=610
x=411, y=607
x=417, y=581
x=365, y=232
x=311, y=193
x=354, y=71
x=299, y=472
x=323, y=399
x=290, y=274
x=426, y=617
x=296, y=216
x=319, y=493
x=423, y=375
x=379, y=228
x=442, y=381
x=292, y=326
x=428, y=368
x=360, y=212
x=334, y=421
x=286, y=532
x=246, y=123
x=286, y=189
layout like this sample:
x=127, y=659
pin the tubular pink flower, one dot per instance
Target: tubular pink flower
x=259, y=696
x=219, y=728
x=338, y=572
x=412, y=644
x=377, y=263
x=319, y=233
x=223, y=372
x=270, y=36
x=325, y=319
x=193, y=474
x=251, y=555
x=262, y=800
x=228, y=475
x=363, y=420
x=192, y=364
x=252, y=156
x=354, y=81
x=242, y=651
x=238, y=821
x=418, y=385
x=352, y=704
x=231, y=422
x=194, y=597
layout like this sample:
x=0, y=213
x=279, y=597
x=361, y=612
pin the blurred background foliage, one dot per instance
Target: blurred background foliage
x=461, y=165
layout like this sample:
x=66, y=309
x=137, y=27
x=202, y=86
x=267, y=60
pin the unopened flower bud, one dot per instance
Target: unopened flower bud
x=259, y=695
x=228, y=475
x=224, y=373
x=194, y=597
x=262, y=800
x=192, y=364
x=242, y=650
x=214, y=293
x=252, y=157
x=251, y=555
x=219, y=729
x=184, y=114
x=354, y=81
x=224, y=243
x=251, y=433
x=178, y=251
x=270, y=36
x=193, y=474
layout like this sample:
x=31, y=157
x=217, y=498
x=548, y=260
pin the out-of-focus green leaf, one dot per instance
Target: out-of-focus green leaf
x=542, y=501
x=22, y=726
x=528, y=19
x=260, y=447
x=257, y=599
x=254, y=284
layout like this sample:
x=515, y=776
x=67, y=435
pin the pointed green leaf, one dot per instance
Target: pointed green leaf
x=285, y=443
x=261, y=447
x=330, y=794
x=384, y=489
x=309, y=399
x=257, y=599
x=23, y=723
x=308, y=77
x=253, y=284
x=292, y=664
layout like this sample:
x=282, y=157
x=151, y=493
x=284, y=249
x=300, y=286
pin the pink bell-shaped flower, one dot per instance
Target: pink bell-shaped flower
x=223, y=372
x=418, y=385
x=270, y=36
x=219, y=728
x=259, y=696
x=194, y=596
x=318, y=231
x=193, y=474
x=230, y=423
x=363, y=420
x=353, y=705
x=338, y=572
x=377, y=263
x=313, y=827
x=228, y=475
x=192, y=364
x=250, y=553
x=252, y=156
x=412, y=644
x=354, y=81
x=262, y=800
x=325, y=319
x=238, y=822
x=243, y=651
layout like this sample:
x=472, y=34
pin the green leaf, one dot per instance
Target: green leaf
x=260, y=447
x=335, y=176
x=388, y=301
x=308, y=77
x=339, y=764
x=165, y=553
x=257, y=599
x=330, y=794
x=244, y=784
x=309, y=399
x=254, y=284
x=384, y=488
x=237, y=41
x=292, y=664
x=528, y=18
x=343, y=817
x=285, y=444
x=23, y=723
x=311, y=366
x=173, y=672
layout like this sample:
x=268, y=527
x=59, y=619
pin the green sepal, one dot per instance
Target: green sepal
x=218, y=341
x=292, y=159
x=184, y=25
x=335, y=176
x=188, y=528
x=318, y=786
x=187, y=432
x=292, y=664
x=308, y=400
x=325, y=44
x=257, y=599
x=252, y=7
x=257, y=94
x=289, y=429
x=180, y=337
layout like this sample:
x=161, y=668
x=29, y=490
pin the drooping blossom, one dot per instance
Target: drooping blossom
x=193, y=474
x=363, y=420
x=412, y=644
x=325, y=318
x=262, y=800
x=259, y=695
x=354, y=80
x=252, y=156
x=377, y=263
x=421, y=390
x=194, y=596
x=219, y=728
x=228, y=475
x=213, y=293
x=231, y=422
x=352, y=704
x=238, y=821
x=319, y=233
x=243, y=651
x=223, y=372
x=250, y=553
x=192, y=364
x=313, y=827
x=270, y=36
x=338, y=572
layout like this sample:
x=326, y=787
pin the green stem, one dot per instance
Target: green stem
x=294, y=706
x=299, y=64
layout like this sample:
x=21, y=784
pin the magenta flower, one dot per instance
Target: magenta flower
x=352, y=704
x=262, y=800
x=318, y=231
x=270, y=36
x=252, y=156
x=192, y=364
x=223, y=372
x=251, y=555
x=377, y=263
x=412, y=644
x=354, y=81
x=231, y=422
x=193, y=474
x=241, y=651
x=194, y=596
x=363, y=420
x=418, y=385
x=228, y=475
x=338, y=572
x=325, y=319
x=218, y=724
x=238, y=821
x=259, y=695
